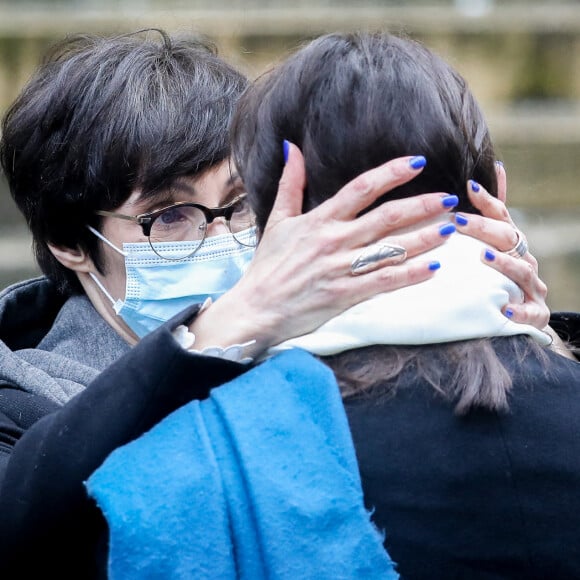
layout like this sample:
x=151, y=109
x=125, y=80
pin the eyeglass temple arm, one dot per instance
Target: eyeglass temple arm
x=144, y=222
x=131, y=218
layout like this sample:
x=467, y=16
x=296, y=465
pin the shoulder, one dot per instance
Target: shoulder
x=27, y=311
x=26, y=288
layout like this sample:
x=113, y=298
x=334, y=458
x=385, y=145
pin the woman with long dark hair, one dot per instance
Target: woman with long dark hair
x=465, y=425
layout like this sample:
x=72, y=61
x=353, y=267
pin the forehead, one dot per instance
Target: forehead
x=212, y=188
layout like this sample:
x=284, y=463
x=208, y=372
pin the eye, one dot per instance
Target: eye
x=242, y=216
x=181, y=222
x=174, y=215
x=242, y=207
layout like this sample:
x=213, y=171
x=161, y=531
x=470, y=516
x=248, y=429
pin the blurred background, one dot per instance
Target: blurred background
x=522, y=60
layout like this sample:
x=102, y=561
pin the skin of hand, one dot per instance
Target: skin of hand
x=496, y=228
x=300, y=276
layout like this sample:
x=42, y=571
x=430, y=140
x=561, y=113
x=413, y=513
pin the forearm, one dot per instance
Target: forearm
x=44, y=479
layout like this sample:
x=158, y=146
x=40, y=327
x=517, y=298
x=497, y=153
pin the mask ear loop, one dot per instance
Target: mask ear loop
x=110, y=244
x=103, y=289
x=95, y=279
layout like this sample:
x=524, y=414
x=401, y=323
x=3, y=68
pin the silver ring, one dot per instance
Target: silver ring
x=521, y=246
x=372, y=256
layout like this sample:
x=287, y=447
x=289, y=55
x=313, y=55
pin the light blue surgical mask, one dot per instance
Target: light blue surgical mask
x=157, y=289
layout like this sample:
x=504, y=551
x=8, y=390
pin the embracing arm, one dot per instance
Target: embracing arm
x=42, y=499
x=301, y=274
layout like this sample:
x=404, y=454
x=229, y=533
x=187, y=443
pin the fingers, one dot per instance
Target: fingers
x=530, y=259
x=494, y=228
x=422, y=240
x=488, y=205
x=492, y=232
x=362, y=191
x=521, y=272
x=532, y=313
x=288, y=202
x=397, y=214
x=534, y=310
x=386, y=279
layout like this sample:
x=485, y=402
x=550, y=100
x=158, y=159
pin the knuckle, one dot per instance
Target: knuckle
x=529, y=274
x=542, y=290
x=422, y=241
x=532, y=260
x=396, y=169
x=482, y=228
x=502, y=211
x=391, y=215
x=394, y=277
x=428, y=204
x=428, y=239
x=327, y=239
x=284, y=184
x=363, y=185
x=388, y=276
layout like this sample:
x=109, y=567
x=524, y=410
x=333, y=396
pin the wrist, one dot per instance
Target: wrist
x=227, y=322
x=234, y=352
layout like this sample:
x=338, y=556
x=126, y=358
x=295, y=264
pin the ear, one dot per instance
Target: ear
x=501, y=181
x=75, y=259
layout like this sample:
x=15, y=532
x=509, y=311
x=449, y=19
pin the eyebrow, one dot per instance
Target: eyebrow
x=167, y=196
x=150, y=201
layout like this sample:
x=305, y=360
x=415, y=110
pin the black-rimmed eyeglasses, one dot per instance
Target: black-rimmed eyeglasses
x=188, y=222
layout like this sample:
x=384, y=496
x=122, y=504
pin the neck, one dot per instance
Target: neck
x=104, y=307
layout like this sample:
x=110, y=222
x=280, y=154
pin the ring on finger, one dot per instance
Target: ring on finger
x=377, y=255
x=521, y=246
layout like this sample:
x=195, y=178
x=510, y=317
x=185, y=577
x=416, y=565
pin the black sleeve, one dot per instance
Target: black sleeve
x=567, y=325
x=44, y=510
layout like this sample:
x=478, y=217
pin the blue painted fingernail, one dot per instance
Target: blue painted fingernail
x=509, y=312
x=447, y=229
x=435, y=265
x=286, y=149
x=417, y=162
x=498, y=162
x=474, y=185
x=461, y=220
x=450, y=201
x=489, y=255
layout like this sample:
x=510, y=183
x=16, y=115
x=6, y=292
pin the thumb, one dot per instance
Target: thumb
x=288, y=202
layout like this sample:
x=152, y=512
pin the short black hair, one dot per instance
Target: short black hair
x=352, y=102
x=105, y=115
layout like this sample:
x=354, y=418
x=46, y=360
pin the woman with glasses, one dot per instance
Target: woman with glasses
x=117, y=154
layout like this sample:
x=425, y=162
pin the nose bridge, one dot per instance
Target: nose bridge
x=218, y=226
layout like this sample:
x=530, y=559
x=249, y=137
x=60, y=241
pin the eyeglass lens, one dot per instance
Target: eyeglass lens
x=187, y=223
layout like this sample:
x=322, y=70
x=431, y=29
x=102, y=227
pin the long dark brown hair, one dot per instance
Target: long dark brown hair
x=352, y=102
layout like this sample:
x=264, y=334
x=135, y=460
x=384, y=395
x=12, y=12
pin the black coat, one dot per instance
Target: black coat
x=48, y=525
x=484, y=496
